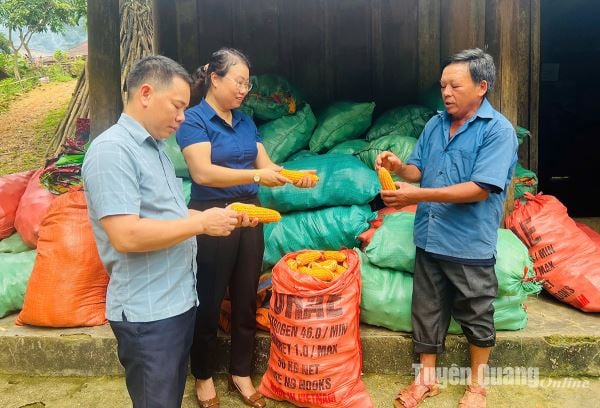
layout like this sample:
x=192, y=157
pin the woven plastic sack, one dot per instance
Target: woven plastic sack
x=514, y=269
x=187, y=189
x=33, y=206
x=406, y=120
x=328, y=228
x=386, y=301
x=13, y=245
x=522, y=134
x=15, y=270
x=349, y=147
x=344, y=180
x=392, y=246
x=583, y=227
x=287, y=135
x=401, y=146
x=174, y=152
x=316, y=356
x=271, y=97
x=339, y=122
x=365, y=237
x=432, y=98
x=302, y=154
x=526, y=181
x=68, y=284
x=12, y=187
x=565, y=259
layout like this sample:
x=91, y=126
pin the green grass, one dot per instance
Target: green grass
x=10, y=89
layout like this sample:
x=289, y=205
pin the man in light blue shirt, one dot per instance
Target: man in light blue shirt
x=146, y=235
x=464, y=161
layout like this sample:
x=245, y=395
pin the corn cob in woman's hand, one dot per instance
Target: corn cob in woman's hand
x=264, y=215
x=295, y=175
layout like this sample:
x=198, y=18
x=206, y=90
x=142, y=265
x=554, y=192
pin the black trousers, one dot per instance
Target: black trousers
x=235, y=262
x=444, y=289
x=155, y=356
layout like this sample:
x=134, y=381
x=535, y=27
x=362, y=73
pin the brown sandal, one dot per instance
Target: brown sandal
x=410, y=398
x=255, y=400
x=209, y=403
x=474, y=397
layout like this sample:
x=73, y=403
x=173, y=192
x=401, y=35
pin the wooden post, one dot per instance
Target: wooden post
x=164, y=16
x=104, y=64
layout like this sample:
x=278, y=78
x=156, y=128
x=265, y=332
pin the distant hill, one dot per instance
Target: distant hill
x=47, y=43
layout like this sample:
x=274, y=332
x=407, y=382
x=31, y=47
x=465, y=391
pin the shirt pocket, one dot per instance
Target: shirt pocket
x=459, y=165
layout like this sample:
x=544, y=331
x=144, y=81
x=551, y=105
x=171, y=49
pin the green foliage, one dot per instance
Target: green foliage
x=61, y=56
x=77, y=67
x=57, y=72
x=4, y=44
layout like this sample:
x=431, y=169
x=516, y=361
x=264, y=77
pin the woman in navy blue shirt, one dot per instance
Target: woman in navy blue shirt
x=227, y=163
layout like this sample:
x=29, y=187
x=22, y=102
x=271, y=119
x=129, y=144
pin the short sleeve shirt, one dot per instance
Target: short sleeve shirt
x=126, y=171
x=231, y=146
x=483, y=150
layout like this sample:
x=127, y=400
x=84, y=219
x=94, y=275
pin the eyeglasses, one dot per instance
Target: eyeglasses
x=242, y=86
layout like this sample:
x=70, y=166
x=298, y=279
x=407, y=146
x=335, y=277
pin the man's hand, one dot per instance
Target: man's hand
x=217, y=222
x=244, y=220
x=406, y=194
x=389, y=161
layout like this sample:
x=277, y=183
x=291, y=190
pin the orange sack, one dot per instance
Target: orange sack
x=68, y=283
x=12, y=187
x=565, y=259
x=316, y=356
x=32, y=208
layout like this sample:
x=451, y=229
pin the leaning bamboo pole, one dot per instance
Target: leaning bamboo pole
x=136, y=42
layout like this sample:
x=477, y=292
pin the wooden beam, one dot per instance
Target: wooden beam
x=104, y=64
x=164, y=18
x=534, y=84
x=430, y=63
x=187, y=34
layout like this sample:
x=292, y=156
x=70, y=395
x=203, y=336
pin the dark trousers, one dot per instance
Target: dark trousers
x=444, y=289
x=155, y=356
x=235, y=262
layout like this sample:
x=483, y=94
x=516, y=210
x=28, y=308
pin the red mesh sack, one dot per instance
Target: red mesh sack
x=68, y=283
x=565, y=259
x=589, y=232
x=33, y=206
x=12, y=188
x=316, y=355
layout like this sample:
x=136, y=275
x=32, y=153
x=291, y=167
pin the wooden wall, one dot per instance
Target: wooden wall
x=387, y=51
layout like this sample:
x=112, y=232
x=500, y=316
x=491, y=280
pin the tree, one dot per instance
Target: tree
x=24, y=18
x=4, y=45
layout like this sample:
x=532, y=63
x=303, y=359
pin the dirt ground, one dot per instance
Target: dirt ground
x=20, y=145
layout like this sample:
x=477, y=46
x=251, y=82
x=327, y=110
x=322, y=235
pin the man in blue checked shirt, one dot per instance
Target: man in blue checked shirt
x=146, y=236
x=464, y=161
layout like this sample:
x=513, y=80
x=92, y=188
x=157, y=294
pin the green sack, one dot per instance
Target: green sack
x=349, y=147
x=339, y=122
x=406, y=120
x=401, y=146
x=527, y=181
x=16, y=270
x=302, y=154
x=13, y=244
x=522, y=133
x=392, y=246
x=344, y=180
x=285, y=136
x=247, y=110
x=187, y=189
x=432, y=98
x=386, y=296
x=509, y=314
x=271, y=97
x=174, y=152
x=325, y=229
x=513, y=265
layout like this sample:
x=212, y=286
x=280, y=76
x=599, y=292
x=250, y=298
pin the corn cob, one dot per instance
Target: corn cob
x=292, y=264
x=304, y=269
x=339, y=269
x=264, y=215
x=385, y=178
x=329, y=264
x=321, y=273
x=336, y=255
x=306, y=258
x=296, y=176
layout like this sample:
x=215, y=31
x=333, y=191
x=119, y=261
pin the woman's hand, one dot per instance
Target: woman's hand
x=270, y=177
x=306, y=182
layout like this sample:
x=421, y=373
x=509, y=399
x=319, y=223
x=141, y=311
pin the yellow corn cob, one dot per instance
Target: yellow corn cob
x=337, y=255
x=296, y=176
x=292, y=264
x=265, y=215
x=307, y=257
x=304, y=269
x=329, y=264
x=339, y=269
x=320, y=273
x=385, y=178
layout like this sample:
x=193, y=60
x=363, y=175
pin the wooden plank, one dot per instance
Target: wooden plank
x=429, y=45
x=215, y=27
x=164, y=19
x=256, y=33
x=462, y=26
x=493, y=47
x=523, y=10
x=187, y=33
x=534, y=84
x=104, y=64
x=508, y=60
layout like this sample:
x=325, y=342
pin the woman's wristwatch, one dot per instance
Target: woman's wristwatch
x=256, y=178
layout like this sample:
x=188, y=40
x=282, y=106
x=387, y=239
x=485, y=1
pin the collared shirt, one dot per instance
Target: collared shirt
x=126, y=171
x=483, y=150
x=231, y=146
